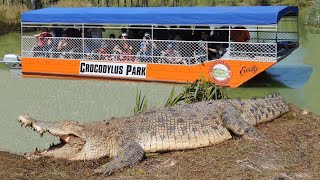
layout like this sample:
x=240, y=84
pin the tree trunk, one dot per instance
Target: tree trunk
x=125, y=3
x=33, y=4
x=118, y=3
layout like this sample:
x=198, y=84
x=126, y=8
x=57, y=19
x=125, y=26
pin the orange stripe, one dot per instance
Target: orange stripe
x=240, y=71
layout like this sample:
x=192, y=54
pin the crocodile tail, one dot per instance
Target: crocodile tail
x=259, y=110
x=270, y=107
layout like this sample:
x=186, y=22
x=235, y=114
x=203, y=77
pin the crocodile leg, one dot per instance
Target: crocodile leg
x=234, y=122
x=130, y=154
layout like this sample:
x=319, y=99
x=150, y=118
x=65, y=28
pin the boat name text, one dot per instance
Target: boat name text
x=252, y=69
x=113, y=69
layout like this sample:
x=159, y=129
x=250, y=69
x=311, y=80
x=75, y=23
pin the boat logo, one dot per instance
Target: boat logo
x=220, y=72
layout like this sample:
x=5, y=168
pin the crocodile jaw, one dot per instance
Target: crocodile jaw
x=70, y=144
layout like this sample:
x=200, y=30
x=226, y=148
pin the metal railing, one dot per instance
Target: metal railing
x=147, y=51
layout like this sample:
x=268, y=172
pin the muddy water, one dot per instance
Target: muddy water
x=296, y=78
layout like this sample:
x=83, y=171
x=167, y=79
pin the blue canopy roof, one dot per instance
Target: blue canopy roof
x=245, y=15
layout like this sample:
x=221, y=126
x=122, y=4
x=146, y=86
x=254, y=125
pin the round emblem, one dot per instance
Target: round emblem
x=220, y=72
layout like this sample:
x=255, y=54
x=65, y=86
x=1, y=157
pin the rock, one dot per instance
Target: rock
x=304, y=112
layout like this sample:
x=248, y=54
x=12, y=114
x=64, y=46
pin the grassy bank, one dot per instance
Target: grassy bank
x=10, y=17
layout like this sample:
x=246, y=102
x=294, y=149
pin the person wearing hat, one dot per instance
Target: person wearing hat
x=123, y=49
x=146, y=48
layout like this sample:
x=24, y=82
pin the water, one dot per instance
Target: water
x=296, y=78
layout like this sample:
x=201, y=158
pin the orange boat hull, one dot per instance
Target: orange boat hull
x=230, y=73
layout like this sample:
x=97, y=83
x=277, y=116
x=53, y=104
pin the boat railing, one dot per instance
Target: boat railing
x=148, y=51
x=272, y=37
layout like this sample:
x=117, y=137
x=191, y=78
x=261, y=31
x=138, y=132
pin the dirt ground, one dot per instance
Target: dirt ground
x=292, y=152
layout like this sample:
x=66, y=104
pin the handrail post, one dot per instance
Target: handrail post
x=82, y=41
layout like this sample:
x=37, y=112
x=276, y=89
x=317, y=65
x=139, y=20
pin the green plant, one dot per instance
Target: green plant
x=171, y=101
x=313, y=14
x=141, y=103
x=202, y=90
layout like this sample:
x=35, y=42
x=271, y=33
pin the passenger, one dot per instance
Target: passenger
x=63, y=47
x=179, y=46
x=87, y=41
x=54, y=39
x=172, y=56
x=57, y=31
x=43, y=38
x=198, y=30
x=63, y=43
x=106, y=50
x=96, y=34
x=123, y=30
x=208, y=46
x=44, y=42
x=123, y=50
x=240, y=35
x=112, y=36
x=146, y=48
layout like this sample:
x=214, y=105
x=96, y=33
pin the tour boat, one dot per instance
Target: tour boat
x=225, y=45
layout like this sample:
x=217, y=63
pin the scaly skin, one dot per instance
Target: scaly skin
x=159, y=130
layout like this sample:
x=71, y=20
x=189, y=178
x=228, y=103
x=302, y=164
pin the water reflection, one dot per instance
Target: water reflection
x=290, y=72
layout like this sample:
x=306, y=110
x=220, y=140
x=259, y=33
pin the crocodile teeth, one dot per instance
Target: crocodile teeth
x=41, y=134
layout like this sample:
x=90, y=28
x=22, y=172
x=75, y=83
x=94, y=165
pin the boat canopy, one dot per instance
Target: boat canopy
x=222, y=15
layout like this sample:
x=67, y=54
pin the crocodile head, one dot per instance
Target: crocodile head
x=71, y=135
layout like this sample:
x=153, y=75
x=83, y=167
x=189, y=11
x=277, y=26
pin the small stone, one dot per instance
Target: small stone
x=304, y=112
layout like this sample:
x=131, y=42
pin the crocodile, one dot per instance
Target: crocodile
x=126, y=139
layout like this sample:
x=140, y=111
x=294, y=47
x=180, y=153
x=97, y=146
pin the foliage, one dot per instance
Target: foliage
x=197, y=91
x=10, y=17
x=313, y=14
x=202, y=90
x=141, y=103
x=73, y=3
x=171, y=101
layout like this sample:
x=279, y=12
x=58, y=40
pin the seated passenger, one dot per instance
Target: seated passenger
x=63, y=46
x=123, y=50
x=172, y=56
x=209, y=47
x=106, y=50
x=44, y=41
x=240, y=35
x=96, y=34
x=146, y=49
x=123, y=30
